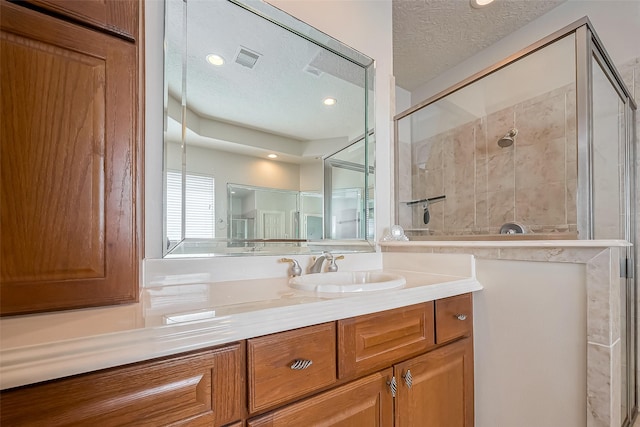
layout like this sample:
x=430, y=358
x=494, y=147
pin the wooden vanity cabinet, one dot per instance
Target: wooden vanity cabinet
x=68, y=155
x=205, y=388
x=432, y=377
x=415, y=381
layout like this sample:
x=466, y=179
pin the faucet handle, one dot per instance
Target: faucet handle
x=333, y=266
x=295, y=269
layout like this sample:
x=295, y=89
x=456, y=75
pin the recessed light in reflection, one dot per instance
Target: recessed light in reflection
x=480, y=3
x=330, y=101
x=214, y=59
x=272, y=156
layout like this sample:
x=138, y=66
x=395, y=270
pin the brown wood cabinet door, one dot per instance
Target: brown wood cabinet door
x=68, y=98
x=441, y=391
x=199, y=389
x=117, y=16
x=364, y=402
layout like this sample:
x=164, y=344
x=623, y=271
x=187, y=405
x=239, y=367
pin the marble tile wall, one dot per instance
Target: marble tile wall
x=532, y=182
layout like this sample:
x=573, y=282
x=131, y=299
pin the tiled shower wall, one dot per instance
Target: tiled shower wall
x=532, y=182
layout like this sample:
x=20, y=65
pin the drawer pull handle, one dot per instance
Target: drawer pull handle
x=461, y=316
x=393, y=386
x=300, y=364
x=408, y=378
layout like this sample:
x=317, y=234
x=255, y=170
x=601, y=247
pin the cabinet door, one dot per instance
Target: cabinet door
x=68, y=99
x=440, y=393
x=364, y=402
x=198, y=389
x=117, y=16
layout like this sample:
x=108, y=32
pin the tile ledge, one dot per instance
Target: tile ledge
x=508, y=244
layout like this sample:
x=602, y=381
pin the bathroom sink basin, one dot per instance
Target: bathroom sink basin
x=347, y=282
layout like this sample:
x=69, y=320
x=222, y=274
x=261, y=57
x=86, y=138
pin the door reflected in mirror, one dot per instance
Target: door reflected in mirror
x=267, y=133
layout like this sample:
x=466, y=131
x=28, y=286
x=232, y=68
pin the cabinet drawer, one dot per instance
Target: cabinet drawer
x=201, y=388
x=375, y=341
x=454, y=318
x=272, y=377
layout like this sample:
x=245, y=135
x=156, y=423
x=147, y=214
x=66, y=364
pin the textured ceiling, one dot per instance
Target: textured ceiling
x=431, y=36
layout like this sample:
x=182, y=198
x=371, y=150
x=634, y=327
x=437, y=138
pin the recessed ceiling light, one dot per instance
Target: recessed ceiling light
x=330, y=101
x=480, y=3
x=272, y=156
x=214, y=59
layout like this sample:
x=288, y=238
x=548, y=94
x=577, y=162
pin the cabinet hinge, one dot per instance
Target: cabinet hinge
x=393, y=386
x=626, y=268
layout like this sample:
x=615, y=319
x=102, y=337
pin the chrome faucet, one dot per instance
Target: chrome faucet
x=295, y=269
x=316, y=267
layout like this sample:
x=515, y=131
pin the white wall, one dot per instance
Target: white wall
x=311, y=177
x=530, y=344
x=617, y=23
x=361, y=24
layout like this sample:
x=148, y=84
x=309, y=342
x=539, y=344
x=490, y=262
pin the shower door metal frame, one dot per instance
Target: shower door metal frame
x=588, y=48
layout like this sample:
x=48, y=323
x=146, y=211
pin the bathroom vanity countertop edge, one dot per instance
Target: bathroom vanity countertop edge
x=35, y=363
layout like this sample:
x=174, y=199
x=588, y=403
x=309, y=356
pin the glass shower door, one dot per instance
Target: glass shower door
x=612, y=210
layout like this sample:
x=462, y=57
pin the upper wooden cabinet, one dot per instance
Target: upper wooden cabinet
x=68, y=102
x=116, y=16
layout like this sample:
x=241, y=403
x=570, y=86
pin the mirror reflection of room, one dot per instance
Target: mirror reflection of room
x=257, y=213
x=261, y=113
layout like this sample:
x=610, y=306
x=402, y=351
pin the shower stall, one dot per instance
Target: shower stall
x=539, y=146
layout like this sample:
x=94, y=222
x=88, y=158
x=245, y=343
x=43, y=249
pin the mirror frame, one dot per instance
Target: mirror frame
x=285, y=246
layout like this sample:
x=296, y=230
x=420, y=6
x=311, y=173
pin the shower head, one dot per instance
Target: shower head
x=507, y=139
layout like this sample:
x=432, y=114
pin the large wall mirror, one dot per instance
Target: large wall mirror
x=268, y=136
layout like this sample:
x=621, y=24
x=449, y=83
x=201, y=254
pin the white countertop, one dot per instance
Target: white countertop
x=177, y=318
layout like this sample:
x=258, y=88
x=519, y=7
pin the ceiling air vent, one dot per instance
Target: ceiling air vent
x=247, y=58
x=313, y=71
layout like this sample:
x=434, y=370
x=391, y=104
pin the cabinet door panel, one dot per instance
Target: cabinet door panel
x=182, y=390
x=441, y=392
x=117, y=16
x=365, y=402
x=67, y=150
